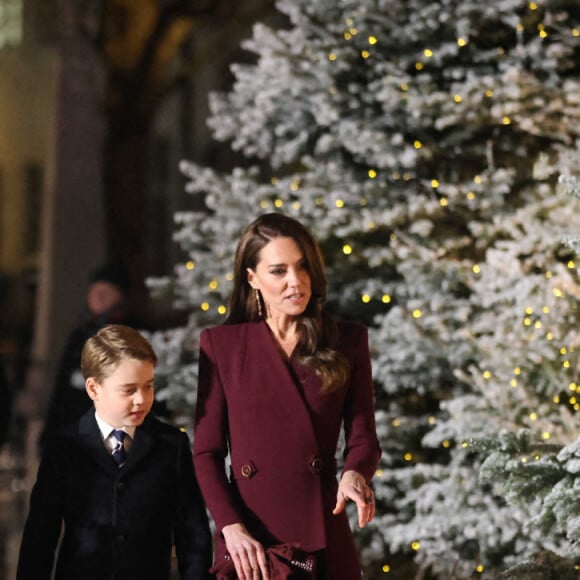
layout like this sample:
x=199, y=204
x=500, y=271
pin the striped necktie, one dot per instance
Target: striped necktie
x=119, y=452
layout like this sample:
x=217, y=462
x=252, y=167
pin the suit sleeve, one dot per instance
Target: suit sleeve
x=210, y=444
x=362, y=451
x=44, y=521
x=192, y=535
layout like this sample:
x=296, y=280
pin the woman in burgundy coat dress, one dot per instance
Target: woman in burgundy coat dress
x=276, y=383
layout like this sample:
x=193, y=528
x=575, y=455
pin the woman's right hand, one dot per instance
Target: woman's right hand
x=248, y=554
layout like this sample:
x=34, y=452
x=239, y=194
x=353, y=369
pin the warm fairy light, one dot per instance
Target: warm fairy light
x=434, y=183
x=461, y=42
x=543, y=33
x=549, y=336
x=527, y=321
x=506, y=120
x=571, y=264
x=264, y=204
x=572, y=386
x=477, y=179
x=417, y=313
x=479, y=568
x=222, y=309
x=408, y=456
x=489, y=93
x=417, y=144
x=339, y=203
x=386, y=299
x=524, y=460
x=372, y=40
x=556, y=400
x=386, y=568
x=563, y=350
x=190, y=265
x=353, y=31
x=396, y=422
x=346, y=249
x=446, y=443
x=428, y=52
x=470, y=195
x=475, y=269
x=443, y=202
x=379, y=472
x=278, y=203
x=517, y=371
x=548, y=275
x=319, y=201
x=365, y=53
x=419, y=66
x=533, y=6
x=464, y=444
x=274, y=180
x=519, y=27
x=546, y=310
x=365, y=298
x=538, y=324
x=486, y=375
x=296, y=205
x=432, y=420
x=573, y=400
x=347, y=35
x=533, y=416
x=529, y=310
x=213, y=285
x=566, y=364
x=575, y=32
x=372, y=173
x=332, y=56
x=416, y=545
x=204, y=306
x=546, y=435
x=457, y=98
x=513, y=383
x=229, y=276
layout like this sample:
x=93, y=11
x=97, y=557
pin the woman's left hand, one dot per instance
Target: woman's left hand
x=353, y=486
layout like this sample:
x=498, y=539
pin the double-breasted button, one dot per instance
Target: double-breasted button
x=247, y=470
x=315, y=464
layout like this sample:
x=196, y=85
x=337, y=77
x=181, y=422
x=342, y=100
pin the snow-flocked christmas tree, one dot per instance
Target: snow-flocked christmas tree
x=421, y=142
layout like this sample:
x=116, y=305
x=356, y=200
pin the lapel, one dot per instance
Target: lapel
x=141, y=446
x=286, y=392
x=92, y=441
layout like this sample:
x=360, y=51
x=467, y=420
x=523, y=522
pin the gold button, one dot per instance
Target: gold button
x=247, y=470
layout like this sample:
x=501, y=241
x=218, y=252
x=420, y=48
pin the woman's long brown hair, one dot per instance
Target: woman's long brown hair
x=317, y=330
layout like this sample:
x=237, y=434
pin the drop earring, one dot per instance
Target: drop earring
x=258, y=303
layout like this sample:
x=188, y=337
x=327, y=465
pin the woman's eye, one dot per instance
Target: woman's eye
x=278, y=271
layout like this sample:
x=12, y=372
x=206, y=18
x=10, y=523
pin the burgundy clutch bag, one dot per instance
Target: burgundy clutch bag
x=285, y=561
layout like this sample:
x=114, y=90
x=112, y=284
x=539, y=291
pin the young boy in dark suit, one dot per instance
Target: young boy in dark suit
x=120, y=481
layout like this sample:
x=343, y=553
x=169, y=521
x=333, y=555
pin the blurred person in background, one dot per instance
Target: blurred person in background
x=107, y=302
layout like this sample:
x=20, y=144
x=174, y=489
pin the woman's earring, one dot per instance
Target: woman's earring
x=259, y=303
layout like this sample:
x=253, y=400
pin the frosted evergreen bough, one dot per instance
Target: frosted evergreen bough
x=421, y=142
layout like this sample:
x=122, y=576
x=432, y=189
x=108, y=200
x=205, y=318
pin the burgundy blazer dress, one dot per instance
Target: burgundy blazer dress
x=281, y=434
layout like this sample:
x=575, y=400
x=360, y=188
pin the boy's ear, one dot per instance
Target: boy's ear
x=91, y=387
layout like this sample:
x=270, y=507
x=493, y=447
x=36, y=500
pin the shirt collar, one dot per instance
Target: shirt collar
x=106, y=429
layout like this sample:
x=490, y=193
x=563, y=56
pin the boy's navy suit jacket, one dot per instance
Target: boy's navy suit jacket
x=119, y=523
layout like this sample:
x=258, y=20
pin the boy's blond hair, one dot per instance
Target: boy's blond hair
x=113, y=343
